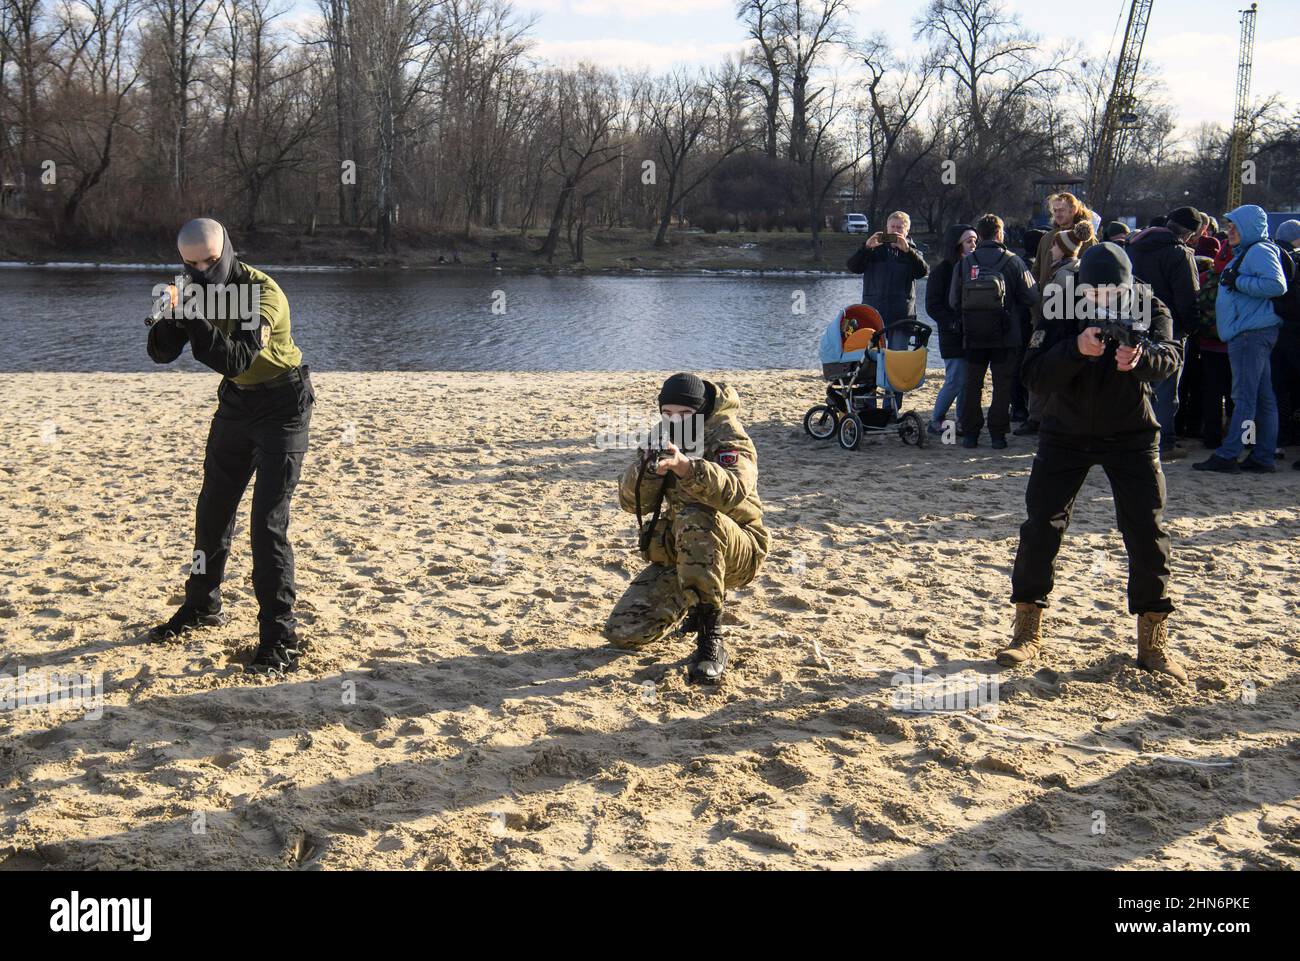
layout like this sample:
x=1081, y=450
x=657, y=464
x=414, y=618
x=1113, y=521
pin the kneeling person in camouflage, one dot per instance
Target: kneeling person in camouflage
x=705, y=531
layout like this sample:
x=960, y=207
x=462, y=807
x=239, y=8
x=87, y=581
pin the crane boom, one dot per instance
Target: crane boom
x=1241, y=115
x=1120, y=107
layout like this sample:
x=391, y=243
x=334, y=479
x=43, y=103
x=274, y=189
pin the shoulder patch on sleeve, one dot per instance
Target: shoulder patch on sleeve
x=1037, y=340
x=728, y=458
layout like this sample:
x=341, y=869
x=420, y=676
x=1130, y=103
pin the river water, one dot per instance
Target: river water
x=92, y=319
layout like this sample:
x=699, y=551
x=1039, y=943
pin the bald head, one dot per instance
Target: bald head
x=200, y=242
x=205, y=248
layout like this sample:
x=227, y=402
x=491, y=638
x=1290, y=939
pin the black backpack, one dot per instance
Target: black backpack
x=985, y=318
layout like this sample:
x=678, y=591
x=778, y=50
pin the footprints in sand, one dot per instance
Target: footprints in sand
x=461, y=588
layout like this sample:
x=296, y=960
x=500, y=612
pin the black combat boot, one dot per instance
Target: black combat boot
x=691, y=622
x=185, y=619
x=278, y=657
x=710, y=658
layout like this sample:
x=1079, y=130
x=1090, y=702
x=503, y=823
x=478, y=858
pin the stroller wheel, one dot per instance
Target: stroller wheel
x=910, y=429
x=850, y=433
x=820, y=422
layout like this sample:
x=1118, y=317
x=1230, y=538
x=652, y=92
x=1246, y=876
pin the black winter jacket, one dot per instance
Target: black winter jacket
x=1090, y=402
x=889, y=279
x=1170, y=268
x=947, y=320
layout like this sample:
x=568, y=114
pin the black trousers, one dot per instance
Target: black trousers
x=979, y=362
x=1187, y=422
x=1216, y=396
x=1138, y=484
x=1286, y=382
x=1020, y=399
x=262, y=433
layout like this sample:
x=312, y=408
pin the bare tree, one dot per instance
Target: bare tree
x=767, y=59
x=681, y=111
x=999, y=74
x=273, y=110
x=483, y=100
x=27, y=37
x=897, y=90
x=808, y=28
x=90, y=98
x=586, y=105
x=827, y=159
x=335, y=35
x=396, y=42
x=185, y=26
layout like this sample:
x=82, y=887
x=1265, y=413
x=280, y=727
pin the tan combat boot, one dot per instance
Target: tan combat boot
x=1027, y=640
x=1153, y=647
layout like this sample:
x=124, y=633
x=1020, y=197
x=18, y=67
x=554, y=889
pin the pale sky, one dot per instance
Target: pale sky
x=1193, y=42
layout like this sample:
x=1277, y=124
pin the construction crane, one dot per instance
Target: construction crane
x=1241, y=118
x=1121, y=107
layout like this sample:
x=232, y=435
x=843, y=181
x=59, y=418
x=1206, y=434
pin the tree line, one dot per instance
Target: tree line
x=396, y=117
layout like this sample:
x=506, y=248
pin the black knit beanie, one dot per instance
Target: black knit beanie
x=684, y=389
x=1105, y=264
x=1188, y=218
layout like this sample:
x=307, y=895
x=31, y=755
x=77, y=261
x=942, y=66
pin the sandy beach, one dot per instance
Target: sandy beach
x=458, y=548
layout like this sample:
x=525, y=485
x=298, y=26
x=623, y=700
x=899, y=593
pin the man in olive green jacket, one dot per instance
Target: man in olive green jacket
x=236, y=321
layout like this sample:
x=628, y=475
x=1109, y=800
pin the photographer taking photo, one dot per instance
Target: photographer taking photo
x=704, y=533
x=1090, y=359
x=890, y=265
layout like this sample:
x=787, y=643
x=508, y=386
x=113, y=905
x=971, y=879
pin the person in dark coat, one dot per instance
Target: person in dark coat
x=991, y=335
x=1029, y=244
x=958, y=241
x=1163, y=259
x=1286, y=355
x=1067, y=212
x=1187, y=422
x=1207, y=244
x=1098, y=413
x=890, y=270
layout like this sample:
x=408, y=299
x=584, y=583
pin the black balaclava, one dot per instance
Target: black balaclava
x=222, y=271
x=688, y=390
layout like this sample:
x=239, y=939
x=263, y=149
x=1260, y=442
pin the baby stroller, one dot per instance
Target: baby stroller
x=862, y=376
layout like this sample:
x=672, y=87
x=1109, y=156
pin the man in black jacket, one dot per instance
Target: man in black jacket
x=1286, y=352
x=991, y=328
x=1098, y=412
x=1162, y=258
x=890, y=266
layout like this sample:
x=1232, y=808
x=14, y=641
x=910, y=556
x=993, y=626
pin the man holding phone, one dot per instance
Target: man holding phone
x=890, y=266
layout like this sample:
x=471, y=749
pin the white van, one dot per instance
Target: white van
x=855, y=224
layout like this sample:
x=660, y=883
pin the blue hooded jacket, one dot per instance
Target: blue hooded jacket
x=1259, y=279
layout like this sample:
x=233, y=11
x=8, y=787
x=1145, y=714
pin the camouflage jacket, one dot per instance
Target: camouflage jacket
x=724, y=478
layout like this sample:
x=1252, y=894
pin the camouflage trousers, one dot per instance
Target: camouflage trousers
x=708, y=553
